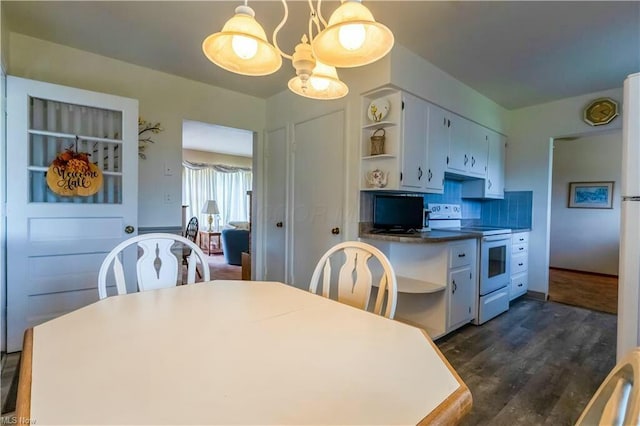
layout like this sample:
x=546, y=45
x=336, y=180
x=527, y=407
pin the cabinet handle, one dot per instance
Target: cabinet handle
x=461, y=255
x=335, y=231
x=520, y=285
x=520, y=264
x=521, y=239
x=466, y=159
x=429, y=174
x=419, y=173
x=129, y=229
x=520, y=248
x=490, y=184
x=279, y=225
x=473, y=161
x=444, y=121
x=455, y=287
x=448, y=123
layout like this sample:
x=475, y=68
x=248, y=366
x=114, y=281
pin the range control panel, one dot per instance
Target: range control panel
x=444, y=211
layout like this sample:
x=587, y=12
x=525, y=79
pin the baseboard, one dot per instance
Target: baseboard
x=583, y=272
x=537, y=295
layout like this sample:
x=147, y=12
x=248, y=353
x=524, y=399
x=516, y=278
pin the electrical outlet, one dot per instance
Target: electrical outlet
x=168, y=198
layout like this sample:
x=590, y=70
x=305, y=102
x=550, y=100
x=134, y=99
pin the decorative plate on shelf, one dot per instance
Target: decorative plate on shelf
x=378, y=109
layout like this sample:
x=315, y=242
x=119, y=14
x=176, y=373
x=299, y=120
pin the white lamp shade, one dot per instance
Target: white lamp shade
x=372, y=40
x=210, y=207
x=323, y=84
x=242, y=32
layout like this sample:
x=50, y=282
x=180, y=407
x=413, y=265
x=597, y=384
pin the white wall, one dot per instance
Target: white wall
x=528, y=164
x=216, y=158
x=585, y=239
x=163, y=98
x=418, y=76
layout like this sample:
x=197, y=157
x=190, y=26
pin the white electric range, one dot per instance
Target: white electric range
x=495, y=258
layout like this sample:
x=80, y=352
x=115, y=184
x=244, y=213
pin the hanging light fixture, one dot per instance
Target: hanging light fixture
x=352, y=37
x=242, y=47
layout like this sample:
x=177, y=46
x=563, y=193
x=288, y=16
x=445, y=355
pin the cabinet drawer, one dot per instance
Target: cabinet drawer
x=519, y=285
x=519, y=248
x=519, y=263
x=460, y=255
x=519, y=238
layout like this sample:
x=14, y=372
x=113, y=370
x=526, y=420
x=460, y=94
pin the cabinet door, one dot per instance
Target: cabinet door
x=461, y=297
x=437, y=149
x=495, y=166
x=458, y=159
x=478, y=150
x=414, y=142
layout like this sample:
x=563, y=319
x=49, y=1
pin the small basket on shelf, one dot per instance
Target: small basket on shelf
x=377, y=142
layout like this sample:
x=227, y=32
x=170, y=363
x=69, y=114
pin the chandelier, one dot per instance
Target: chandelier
x=351, y=38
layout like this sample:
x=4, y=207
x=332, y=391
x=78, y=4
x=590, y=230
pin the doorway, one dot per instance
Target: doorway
x=584, y=240
x=217, y=180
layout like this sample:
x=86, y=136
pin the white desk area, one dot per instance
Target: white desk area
x=234, y=352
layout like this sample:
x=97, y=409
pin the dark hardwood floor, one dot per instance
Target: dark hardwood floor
x=537, y=364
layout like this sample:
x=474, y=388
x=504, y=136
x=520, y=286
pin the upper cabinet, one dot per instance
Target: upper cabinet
x=409, y=144
x=467, y=147
x=493, y=185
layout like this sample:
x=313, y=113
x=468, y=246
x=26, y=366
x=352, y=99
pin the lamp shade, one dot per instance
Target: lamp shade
x=210, y=207
x=352, y=38
x=322, y=84
x=242, y=47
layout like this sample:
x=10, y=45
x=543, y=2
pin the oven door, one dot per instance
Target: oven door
x=495, y=269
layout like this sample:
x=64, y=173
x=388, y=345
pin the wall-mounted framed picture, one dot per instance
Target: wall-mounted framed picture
x=591, y=195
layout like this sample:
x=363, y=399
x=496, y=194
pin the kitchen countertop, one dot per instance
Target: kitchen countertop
x=434, y=236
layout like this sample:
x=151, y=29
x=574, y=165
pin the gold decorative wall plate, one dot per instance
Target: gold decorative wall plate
x=600, y=111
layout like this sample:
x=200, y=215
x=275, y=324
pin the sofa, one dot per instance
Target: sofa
x=234, y=242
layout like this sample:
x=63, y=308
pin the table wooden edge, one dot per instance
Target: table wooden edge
x=23, y=403
x=453, y=409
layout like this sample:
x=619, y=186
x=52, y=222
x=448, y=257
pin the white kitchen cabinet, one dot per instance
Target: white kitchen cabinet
x=413, y=149
x=462, y=284
x=405, y=164
x=437, y=283
x=519, y=264
x=437, y=149
x=493, y=185
x=468, y=147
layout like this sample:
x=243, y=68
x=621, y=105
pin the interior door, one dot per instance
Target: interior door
x=318, y=192
x=56, y=243
x=275, y=205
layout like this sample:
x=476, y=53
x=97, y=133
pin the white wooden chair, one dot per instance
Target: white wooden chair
x=355, y=278
x=617, y=400
x=157, y=267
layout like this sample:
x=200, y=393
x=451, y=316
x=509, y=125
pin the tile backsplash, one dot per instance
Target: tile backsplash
x=514, y=211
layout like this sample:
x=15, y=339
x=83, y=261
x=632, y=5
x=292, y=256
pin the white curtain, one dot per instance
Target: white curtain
x=226, y=185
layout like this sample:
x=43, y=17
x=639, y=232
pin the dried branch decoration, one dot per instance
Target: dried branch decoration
x=143, y=127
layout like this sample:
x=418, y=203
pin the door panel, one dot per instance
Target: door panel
x=275, y=205
x=318, y=192
x=55, y=243
x=414, y=142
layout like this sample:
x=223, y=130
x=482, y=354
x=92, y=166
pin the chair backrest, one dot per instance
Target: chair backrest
x=157, y=266
x=355, y=278
x=192, y=229
x=617, y=400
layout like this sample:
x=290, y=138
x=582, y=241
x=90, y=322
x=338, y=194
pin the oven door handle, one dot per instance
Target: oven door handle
x=497, y=237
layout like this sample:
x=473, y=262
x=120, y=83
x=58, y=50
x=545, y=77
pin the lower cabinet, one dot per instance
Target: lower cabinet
x=519, y=264
x=437, y=283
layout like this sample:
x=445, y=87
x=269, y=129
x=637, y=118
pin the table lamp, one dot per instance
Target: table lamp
x=211, y=208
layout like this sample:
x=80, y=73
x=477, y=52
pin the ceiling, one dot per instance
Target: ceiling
x=516, y=53
x=220, y=139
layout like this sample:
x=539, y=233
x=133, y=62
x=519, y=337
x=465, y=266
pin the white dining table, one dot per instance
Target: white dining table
x=234, y=352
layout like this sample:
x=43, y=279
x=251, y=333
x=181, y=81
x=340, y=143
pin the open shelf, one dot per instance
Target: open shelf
x=378, y=124
x=411, y=285
x=372, y=157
